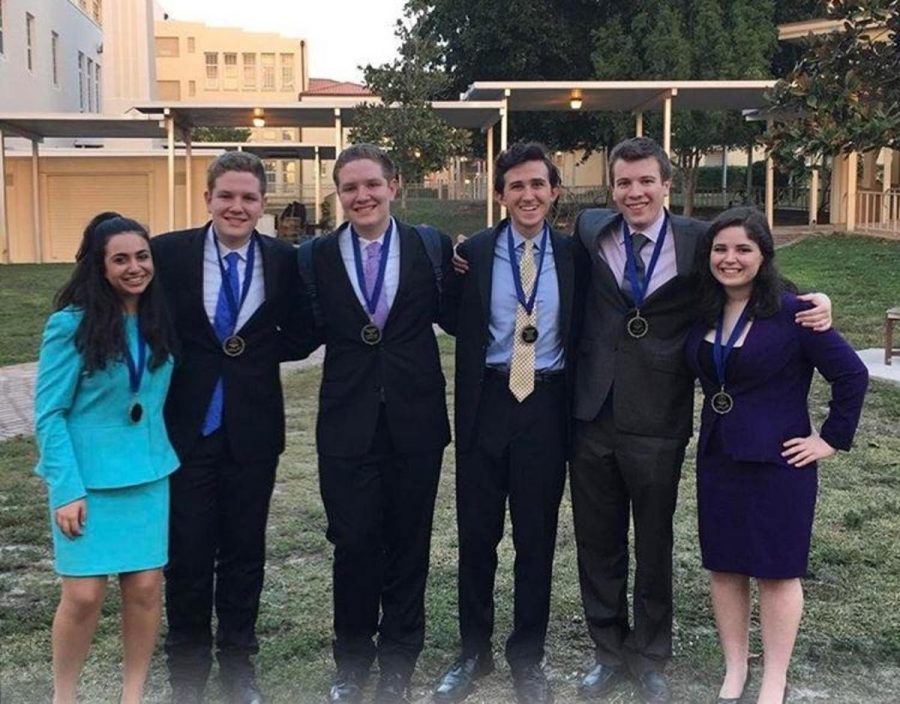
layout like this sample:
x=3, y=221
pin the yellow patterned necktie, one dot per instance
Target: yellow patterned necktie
x=521, y=368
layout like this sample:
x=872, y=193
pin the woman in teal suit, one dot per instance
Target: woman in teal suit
x=103, y=375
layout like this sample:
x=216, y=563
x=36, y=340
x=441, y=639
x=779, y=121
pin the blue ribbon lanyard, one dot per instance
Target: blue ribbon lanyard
x=371, y=298
x=638, y=290
x=720, y=351
x=527, y=304
x=234, y=307
x=136, y=371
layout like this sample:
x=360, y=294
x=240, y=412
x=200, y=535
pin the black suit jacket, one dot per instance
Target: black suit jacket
x=653, y=389
x=403, y=371
x=253, y=414
x=467, y=314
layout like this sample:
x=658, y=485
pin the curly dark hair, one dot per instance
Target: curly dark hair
x=519, y=153
x=769, y=284
x=100, y=336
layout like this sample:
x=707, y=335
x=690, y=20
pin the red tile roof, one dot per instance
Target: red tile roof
x=327, y=86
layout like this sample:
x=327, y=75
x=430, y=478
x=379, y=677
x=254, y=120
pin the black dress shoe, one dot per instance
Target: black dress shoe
x=242, y=689
x=653, y=687
x=738, y=699
x=392, y=688
x=599, y=681
x=347, y=686
x=187, y=694
x=531, y=684
x=458, y=681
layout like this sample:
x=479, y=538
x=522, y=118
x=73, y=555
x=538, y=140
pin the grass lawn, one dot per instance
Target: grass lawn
x=849, y=645
x=26, y=297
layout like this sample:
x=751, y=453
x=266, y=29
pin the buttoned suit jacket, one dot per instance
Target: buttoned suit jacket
x=403, y=371
x=652, y=386
x=253, y=411
x=467, y=314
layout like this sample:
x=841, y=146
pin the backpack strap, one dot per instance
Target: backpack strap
x=308, y=276
x=431, y=239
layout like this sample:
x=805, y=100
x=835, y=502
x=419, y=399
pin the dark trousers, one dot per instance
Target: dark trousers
x=217, y=550
x=615, y=474
x=379, y=508
x=519, y=453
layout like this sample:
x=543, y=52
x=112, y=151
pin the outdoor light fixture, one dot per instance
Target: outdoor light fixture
x=259, y=119
x=575, y=101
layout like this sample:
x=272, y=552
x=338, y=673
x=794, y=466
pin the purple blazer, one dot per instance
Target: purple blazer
x=771, y=385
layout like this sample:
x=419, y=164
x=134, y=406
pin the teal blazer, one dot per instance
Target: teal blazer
x=85, y=436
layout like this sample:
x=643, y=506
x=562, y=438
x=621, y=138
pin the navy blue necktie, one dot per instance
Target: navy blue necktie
x=224, y=322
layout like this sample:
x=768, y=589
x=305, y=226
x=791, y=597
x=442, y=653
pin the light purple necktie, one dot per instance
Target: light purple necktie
x=373, y=259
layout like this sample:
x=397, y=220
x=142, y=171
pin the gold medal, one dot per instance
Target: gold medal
x=234, y=345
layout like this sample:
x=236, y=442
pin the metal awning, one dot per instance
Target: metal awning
x=40, y=126
x=269, y=150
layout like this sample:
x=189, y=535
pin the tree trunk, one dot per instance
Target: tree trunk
x=690, y=163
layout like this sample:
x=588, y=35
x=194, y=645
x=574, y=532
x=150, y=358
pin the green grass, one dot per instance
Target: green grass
x=26, y=297
x=455, y=217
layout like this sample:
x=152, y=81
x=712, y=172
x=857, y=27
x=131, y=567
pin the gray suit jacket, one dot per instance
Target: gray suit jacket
x=651, y=385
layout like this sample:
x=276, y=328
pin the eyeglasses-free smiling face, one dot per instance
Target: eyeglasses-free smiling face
x=366, y=196
x=639, y=191
x=528, y=196
x=128, y=265
x=235, y=204
x=735, y=259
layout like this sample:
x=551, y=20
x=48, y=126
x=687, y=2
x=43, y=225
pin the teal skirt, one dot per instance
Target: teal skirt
x=127, y=530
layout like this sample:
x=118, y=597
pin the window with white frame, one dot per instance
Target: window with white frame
x=212, y=70
x=268, y=71
x=231, y=71
x=97, y=83
x=54, y=57
x=29, y=41
x=287, y=72
x=81, y=81
x=89, y=75
x=191, y=45
x=1, y=26
x=249, y=79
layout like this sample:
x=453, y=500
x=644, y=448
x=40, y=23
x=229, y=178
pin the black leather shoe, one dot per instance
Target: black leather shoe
x=347, y=686
x=458, y=682
x=531, y=684
x=242, y=689
x=392, y=688
x=653, y=687
x=187, y=694
x=599, y=681
x=738, y=699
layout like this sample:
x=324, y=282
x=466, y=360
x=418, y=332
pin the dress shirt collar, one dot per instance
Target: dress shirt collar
x=225, y=251
x=364, y=243
x=519, y=239
x=651, y=233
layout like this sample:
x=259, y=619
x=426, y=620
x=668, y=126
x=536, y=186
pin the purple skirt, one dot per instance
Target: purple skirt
x=754, y=518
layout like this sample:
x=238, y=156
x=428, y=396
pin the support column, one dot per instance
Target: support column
x=639, y=124
x=770, y=183
x=318, y=181
x=852, y=163
x=667, y=132
x=814, y=193
x=188, y=185
x=36, y=203
x=5, y=250
x=338, y=147
x=887, y=157
x=489, y=186
x=170, y=154
x=504, y=135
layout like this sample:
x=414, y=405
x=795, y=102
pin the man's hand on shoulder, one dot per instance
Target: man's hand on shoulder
x=818, y=318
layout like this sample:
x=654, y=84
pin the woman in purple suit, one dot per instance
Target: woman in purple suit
x=757, y=454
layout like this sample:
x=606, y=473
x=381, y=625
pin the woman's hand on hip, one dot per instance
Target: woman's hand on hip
x=800, y=452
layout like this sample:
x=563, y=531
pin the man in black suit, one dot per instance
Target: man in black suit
x=233, y=296
x=633, y=415
x=512, y=315
x=382, y=424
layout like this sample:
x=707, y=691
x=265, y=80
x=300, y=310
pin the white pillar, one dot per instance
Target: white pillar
x=188, y=182
x=36, y=203
x=887, y=156
x=667, y=132
x=338, y=147
x=504, y=134
x=770, y=183
x=852, y=164
x=639, y=124
x=814, y=194
x=318, y=180
x=170, y=153
x=489, y=186
x=5, y=253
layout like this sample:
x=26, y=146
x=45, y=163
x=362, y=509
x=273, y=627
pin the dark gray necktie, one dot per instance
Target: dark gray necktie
x=638, y=240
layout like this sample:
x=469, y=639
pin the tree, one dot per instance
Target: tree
x=844, y=93
x=220, y=134
x=418, y=140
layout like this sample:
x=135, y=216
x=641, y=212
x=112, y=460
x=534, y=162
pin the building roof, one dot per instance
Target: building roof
x=327, y=86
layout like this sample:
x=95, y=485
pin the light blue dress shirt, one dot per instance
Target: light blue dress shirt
x=549, y=348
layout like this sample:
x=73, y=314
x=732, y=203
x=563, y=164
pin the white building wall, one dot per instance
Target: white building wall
x=33, y=90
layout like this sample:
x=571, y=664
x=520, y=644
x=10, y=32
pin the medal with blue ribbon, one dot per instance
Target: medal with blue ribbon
x=371, y=333
x=135, y=374
x=234, y=345
x=637, y=325
x=722, y=402
x=529, y=333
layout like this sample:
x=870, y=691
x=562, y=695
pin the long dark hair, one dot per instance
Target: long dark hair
x=769, y=284
x=101, y=334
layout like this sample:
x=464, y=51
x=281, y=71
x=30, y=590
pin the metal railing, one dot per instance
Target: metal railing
x=878, y=212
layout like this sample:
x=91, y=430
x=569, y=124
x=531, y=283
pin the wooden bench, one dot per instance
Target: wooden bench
x=891, y=317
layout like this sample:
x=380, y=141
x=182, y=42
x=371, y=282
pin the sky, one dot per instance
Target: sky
x=340, y=34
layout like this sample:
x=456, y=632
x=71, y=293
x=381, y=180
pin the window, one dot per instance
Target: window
x=231, y=72
x=29, y=41
x=167, y=47
x=287, y=72
x=268, y=71
x=271, y=176
x=97, y=103
x=89, y=74
x=290, y=173
x=212, y=70
x=97, y=11
x=1, y=27
x=54, y=57
x=249, y=71
x=287, y=135
x=81, y=81
x=192, y=88
x=191, y=45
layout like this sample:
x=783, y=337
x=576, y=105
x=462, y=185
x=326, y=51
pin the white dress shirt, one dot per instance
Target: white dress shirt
x=212, y=279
